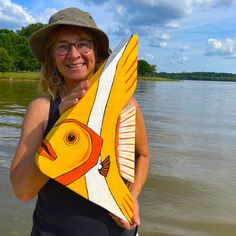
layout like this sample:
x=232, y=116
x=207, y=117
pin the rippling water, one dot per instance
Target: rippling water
x=192, y=134
x=191, y=128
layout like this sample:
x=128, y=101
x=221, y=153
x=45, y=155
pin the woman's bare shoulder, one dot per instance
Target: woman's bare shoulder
x=40, y=104
x=40, y=101
x=37, y=110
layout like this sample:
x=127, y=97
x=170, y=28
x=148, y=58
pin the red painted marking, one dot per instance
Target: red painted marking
x=122, y=126
x=126, y=158
x=135, y=70
x=127, y=167
x=131, y=84
x=126, y=138
x=128, y=204
x=129, y=117
x=135, y=61
x=136, y=44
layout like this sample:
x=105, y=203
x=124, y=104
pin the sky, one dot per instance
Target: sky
x=175, y=35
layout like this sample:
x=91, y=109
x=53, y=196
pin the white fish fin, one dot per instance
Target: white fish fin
x=126, y=142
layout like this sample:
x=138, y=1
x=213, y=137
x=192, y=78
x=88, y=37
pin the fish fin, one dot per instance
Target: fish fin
x=105, y=166
x=126, y=142
x=127, y=68
x=128, y=206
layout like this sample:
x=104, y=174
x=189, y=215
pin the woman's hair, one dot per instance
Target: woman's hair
x=49, y=72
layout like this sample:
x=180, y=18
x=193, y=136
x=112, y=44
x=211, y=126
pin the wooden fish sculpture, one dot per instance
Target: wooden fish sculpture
x=90, y=149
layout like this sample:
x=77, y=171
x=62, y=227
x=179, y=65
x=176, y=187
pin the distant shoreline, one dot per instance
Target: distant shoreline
x=25, y=75
x=202, y=76
x=156, y=78
x=34, y=76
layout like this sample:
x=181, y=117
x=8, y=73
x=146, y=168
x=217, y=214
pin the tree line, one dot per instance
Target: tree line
x=209, y=76
x=15, y=54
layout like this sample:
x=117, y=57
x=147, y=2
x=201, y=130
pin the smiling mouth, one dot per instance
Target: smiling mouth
x=47, y=151
x=75, y=66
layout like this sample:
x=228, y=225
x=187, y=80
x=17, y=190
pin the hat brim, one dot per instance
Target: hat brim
x=39, y=39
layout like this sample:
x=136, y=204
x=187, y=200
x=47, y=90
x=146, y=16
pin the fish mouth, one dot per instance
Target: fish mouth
x=47, y=151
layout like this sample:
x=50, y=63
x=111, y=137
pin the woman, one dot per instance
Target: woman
x=70, y=49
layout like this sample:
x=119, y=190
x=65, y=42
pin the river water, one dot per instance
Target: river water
x=191, y=188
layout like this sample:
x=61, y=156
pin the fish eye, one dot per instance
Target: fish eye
x=71, y=138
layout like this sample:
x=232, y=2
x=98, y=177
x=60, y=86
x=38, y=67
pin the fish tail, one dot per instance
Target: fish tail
x=126, y=74
x=127, y=206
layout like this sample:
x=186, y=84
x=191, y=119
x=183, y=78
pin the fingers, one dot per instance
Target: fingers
x=121, y=223
x=67, y=103
x=136, y=216
x=80, y=90
x=73, y=98
x=84, y=84
x=136, y=220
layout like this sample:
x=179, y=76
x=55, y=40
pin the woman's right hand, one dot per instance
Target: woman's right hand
x=75, y=95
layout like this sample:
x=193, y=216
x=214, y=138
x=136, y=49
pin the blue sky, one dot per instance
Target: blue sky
x=176, y=36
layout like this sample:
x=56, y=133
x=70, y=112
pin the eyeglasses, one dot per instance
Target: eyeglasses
x=63, y=48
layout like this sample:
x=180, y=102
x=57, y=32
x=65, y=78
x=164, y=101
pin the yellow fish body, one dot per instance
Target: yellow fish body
x=91, y=146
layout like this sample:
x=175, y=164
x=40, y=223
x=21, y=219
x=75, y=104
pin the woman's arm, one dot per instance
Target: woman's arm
x=26, y=179
x=142, y=159
x=25, y=176
x=142, y=156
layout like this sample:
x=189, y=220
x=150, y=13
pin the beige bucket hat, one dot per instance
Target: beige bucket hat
x=72, y=17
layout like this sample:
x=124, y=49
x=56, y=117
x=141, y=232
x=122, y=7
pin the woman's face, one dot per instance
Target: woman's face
x=74, y=66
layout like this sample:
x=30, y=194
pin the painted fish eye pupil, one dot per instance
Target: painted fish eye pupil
x=71, y=137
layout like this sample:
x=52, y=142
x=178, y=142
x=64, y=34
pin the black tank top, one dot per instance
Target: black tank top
x=61, y=212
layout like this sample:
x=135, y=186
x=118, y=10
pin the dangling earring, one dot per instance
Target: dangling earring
x=55, y=80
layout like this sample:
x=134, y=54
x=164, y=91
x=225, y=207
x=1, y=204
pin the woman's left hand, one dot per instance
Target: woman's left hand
x=135, y=220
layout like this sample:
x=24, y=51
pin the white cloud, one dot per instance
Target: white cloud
x=120, y=10
x=179, y=60
x=152, y=12
x=146, y=17
x=44, y=17
x=178, y=57
x=184, y=48
x=182, y=59
x=172, y=24
x=163, y=44
x=148, y=57
x=208, y=4
x=159, y=13
x=225, y=47
x=13, y=15
x=156, y=38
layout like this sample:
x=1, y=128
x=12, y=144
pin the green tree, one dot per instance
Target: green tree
x=5, y=60
x=8, y=41
x=145, y=69
x=25, y=59
x=17, y=46
x=28, y=30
